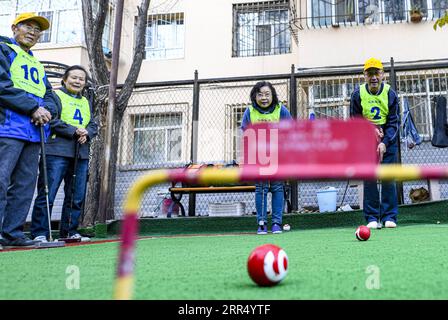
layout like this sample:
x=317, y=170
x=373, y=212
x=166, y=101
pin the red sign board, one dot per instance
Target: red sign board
x=278, y=148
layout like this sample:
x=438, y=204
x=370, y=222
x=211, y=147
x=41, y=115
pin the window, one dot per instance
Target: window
x=322, y=12
x=234, y=134
x=66, y=22
x=157, y=138
x=46, y=35
x=165, y=36
x=107, y=32
x=336, y=12
x=69, y=32
x=330, y=99
x=234, y=117
x=261, y=29
x=345, y=11
x=394, y=10
x=65, y=19
x=439, y=7
x=5, y=17
x=420, y=91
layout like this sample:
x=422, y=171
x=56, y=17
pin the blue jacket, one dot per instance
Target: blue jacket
x=16, y=105
x=392, y=126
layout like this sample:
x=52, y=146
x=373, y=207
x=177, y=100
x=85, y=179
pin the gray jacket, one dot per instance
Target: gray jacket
x=62, y=139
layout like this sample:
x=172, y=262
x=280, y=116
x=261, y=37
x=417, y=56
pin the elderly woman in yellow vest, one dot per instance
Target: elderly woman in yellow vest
x=266, y=107
x=67, y=153
x=377, y=102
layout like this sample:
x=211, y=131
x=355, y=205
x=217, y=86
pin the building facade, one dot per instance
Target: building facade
x=222, y=39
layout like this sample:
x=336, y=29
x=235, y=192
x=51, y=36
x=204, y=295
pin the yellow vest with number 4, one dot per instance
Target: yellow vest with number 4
x=375, y=108
x=75, y=111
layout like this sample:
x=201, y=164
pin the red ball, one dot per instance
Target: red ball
x=362, y=233
x=267, y=265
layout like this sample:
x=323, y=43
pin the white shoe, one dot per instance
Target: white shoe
x=78, y=236
x=374, y=225
x=42, y=239
x=346, y=207
x=390, y=224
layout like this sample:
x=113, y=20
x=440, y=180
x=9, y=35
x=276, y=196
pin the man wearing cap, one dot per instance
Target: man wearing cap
x=378, y=103
x=26, y=104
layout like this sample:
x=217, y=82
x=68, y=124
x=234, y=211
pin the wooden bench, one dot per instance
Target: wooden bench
x=178, y=192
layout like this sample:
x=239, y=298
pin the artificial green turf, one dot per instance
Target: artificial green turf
x=421, y=213
x=323, y=264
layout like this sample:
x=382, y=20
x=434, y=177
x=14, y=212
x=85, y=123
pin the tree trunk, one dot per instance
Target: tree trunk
x=94, y=184
x=110, y=212
x=95, y=163
x=91, y=209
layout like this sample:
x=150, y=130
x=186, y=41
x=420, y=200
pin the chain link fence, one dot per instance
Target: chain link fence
x=169, y=125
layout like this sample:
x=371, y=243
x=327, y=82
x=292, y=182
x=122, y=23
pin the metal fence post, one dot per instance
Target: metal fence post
x=393, y=83
x=194, y=139
x=293, y=108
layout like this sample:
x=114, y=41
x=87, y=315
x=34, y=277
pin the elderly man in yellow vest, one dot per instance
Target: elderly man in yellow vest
x=26, y=104
x=378, y=103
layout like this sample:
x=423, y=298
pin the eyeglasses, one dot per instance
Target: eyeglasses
x=262, y=95
x=372, y=73
x=29, y=29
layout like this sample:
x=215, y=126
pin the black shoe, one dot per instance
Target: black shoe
x=19, y=242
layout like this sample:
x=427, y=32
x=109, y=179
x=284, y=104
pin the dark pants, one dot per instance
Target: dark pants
x=382, y=207
x=19, y=161
x=58, y=169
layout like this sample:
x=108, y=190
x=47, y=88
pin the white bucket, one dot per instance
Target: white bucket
x=326, y=198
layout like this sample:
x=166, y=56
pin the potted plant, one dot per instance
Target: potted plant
x=416, y=14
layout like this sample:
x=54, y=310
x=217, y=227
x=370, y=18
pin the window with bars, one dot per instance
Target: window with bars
x=108, y=28
x=335, y=12
x=65, y=19
x=46, y=35
x=235, y=117
x=5, y=17
x=421, y=91
x=165, y=35
x=157, y=138
x=331, y=99
x=261, y=28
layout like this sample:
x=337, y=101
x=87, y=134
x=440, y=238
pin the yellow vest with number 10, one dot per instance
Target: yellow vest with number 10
x=27, y=73
x=75, y=111
x=375, y=108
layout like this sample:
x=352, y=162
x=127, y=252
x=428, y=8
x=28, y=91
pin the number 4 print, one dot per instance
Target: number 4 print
x=78, y=116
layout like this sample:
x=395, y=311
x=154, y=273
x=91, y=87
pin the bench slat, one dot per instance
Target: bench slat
x=212, y=189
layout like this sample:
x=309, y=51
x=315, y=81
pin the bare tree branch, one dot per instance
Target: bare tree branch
x=93, y=32
x=140, y=37
x=93, y=29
